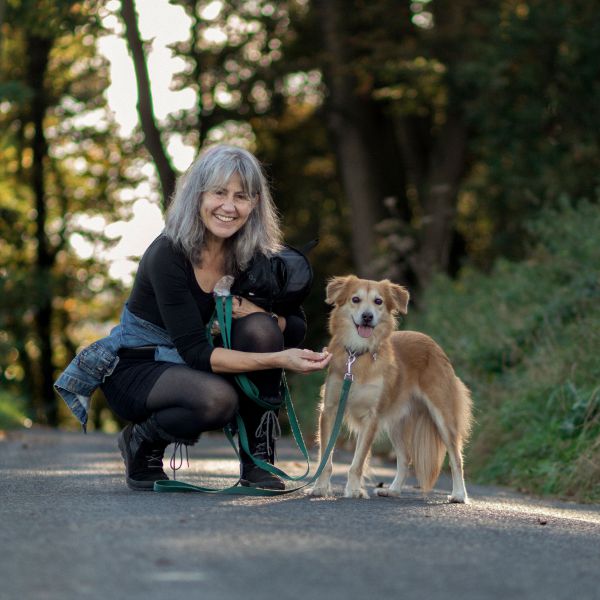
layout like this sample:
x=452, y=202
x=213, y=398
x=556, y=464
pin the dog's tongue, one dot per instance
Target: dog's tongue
x=365, y=331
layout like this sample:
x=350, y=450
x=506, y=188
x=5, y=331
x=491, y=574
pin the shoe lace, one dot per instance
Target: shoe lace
x=154, y=458
x=268, y=430
x=261, y=451
x=179, y=448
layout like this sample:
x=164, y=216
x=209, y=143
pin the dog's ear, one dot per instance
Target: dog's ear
x=335, y=289
x=398, y=297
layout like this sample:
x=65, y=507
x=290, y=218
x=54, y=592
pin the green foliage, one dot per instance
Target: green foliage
x=13, y=412
x=526, y=339
x=60, y=161
x=529, y=91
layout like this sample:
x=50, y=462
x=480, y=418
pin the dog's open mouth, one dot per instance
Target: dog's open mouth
x=364, y=331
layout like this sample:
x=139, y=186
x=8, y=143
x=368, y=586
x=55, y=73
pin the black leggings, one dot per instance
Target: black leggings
x=187, y=402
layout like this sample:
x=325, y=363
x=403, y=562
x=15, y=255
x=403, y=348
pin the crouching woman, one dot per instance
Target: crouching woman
x=160, y=369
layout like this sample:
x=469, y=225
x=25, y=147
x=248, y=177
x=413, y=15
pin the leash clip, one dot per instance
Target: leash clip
x=351, y=360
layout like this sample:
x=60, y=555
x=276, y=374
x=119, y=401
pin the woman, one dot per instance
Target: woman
x=222, y=214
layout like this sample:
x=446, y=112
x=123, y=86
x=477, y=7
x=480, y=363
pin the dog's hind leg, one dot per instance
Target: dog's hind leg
x=395, y=489
x=453, y=443
x=462, y=428
x=366, y=435
x=459, y=492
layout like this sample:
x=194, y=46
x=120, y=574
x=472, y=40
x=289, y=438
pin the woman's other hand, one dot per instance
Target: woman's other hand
x=304, y=361
x=216, y=328
x=242, y=307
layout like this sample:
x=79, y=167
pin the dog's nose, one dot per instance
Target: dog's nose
x=367, y=317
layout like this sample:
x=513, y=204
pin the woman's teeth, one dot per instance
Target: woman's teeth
x=224, y=218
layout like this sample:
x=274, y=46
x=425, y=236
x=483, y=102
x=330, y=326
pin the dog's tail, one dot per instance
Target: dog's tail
x=426, y=448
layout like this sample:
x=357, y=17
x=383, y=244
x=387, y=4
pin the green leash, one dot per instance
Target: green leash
x=237, y=489
x=224, y=316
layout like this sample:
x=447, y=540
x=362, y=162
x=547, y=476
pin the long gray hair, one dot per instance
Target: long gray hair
x=211, y=170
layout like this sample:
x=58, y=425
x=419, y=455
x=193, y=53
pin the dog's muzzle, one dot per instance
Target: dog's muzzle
x=365, y=327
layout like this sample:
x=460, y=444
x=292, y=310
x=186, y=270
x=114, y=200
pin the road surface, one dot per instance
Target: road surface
x=70, y=528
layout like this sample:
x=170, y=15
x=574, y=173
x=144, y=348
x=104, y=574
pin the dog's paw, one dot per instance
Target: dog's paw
x=388, y=492
x=459, y=499
x=356, y=493
x=320, y=491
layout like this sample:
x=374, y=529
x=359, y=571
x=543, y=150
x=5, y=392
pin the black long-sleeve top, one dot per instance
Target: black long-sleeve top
x=166, y=293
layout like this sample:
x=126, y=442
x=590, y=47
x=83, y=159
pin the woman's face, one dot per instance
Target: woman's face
x=225, y=210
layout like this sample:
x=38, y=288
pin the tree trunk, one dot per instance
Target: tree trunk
x=438, y=203
x=152, y=139
x=39, y=51
x=2, y=13
x=348, y=120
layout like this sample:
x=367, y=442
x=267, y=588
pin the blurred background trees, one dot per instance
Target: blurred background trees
x=415, y=139
x=61, y=159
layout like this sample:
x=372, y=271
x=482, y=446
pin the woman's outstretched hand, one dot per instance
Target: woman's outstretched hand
x=304, y=361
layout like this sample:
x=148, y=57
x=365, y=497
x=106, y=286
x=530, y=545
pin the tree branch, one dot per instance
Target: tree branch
x=152, y=139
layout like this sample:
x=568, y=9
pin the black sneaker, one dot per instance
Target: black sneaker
x=253, y=476
x=143, y=453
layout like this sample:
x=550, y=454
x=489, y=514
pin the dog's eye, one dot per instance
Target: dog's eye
x=378, y=301
x=355, y=299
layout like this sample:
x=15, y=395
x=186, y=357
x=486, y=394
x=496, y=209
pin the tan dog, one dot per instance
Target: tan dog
x=403, y=384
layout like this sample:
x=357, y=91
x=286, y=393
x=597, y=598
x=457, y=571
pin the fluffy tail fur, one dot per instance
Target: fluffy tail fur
x=425, y=447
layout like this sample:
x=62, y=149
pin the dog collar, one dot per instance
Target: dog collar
x=352, y=356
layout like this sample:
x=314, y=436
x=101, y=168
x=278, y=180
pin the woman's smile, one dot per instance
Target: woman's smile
x=224, y=218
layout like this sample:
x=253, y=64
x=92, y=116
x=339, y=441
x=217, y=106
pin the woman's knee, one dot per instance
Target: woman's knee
x=219, y=404
x=258, y=332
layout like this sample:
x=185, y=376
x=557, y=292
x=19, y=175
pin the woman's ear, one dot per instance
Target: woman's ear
x=335, y=288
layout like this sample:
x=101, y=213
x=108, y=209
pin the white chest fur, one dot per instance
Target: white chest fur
x=364, y=398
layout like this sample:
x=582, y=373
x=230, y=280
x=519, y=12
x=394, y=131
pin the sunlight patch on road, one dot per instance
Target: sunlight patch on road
x=538, y=511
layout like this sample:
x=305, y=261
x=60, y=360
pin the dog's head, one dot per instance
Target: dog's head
x=364, y=310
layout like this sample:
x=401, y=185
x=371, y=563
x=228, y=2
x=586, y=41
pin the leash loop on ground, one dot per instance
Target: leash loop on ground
x=223, y=314
x=236, y=489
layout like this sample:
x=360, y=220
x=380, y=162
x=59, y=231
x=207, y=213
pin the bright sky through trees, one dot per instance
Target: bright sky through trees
x=163, y=24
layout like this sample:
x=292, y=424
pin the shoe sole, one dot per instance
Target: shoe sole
x=246, y=483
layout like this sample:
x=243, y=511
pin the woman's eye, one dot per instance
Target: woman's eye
x=356, y=299
x=378, y=301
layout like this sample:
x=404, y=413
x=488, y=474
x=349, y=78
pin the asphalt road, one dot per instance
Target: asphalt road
x=70, y=528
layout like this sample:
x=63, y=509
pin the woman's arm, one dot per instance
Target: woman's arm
x=183, y=322
x=168, y=275
x=223, y=360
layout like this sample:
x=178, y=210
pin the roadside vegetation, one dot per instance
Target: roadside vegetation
x=12, y=412
x=526, y=339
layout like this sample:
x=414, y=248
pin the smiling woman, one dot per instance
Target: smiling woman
x=160, y=368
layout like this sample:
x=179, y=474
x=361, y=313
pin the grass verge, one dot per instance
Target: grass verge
x=526, y=339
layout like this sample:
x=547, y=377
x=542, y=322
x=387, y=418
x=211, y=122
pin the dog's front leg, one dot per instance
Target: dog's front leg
x=328, y=409
x=366, y=435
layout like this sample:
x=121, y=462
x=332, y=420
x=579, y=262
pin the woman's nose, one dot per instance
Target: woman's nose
x=228, y=203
